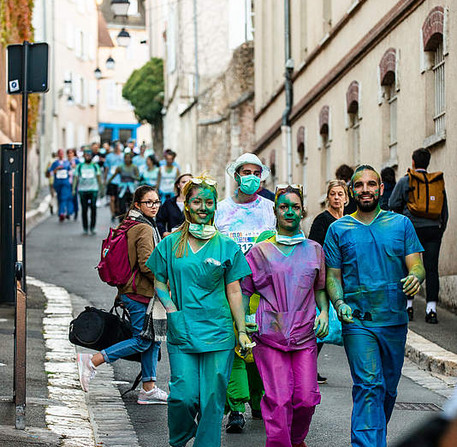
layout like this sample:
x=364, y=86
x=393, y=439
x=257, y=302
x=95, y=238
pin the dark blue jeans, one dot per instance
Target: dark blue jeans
x=430, y=238
x=149, y=350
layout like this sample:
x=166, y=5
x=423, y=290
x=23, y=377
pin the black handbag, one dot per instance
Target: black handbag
x=98, y=329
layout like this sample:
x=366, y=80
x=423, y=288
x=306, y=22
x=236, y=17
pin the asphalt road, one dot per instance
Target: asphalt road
x=58, y=253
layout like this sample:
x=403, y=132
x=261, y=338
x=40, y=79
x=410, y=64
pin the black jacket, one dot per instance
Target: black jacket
x=169, y=216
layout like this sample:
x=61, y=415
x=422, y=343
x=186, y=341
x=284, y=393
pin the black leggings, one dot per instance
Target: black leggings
x=88, y=200
x=430, y=238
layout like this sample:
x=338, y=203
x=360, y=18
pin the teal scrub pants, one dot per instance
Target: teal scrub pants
x=198, y=384
x=375, y=356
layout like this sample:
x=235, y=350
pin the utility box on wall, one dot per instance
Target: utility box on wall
x=10, y=216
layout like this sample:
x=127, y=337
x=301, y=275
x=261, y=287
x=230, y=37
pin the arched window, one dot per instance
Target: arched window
x=433, y=41
x=324, y=146
x=389, y=87
x=353, y=120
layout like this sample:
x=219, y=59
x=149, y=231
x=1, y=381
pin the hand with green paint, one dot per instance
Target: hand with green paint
x=344, y=312
x=411, y=285
x=321, y=326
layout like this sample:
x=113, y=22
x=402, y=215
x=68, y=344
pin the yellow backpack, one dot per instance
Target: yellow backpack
x=426, y=193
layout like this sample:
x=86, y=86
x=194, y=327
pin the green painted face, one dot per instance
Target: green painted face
x=288, y=213
x=201, y=205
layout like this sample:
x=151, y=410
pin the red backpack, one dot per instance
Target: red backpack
x=114, y=266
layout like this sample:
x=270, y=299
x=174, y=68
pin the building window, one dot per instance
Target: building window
x=324, y=147
x=440, y=97
x=353, y=121
x=433, y=66
x=389, y=87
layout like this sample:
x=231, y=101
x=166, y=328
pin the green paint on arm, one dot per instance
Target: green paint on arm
x=164, y=296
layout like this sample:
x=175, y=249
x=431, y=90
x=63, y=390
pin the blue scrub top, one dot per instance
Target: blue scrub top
x=372, y=262
x=197, y=282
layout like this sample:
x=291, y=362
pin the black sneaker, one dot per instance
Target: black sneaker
x=235, y=422
x=410, y=311
x=431, y=318
x=321, y=380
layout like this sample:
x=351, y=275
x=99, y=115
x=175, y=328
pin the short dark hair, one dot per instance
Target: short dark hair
x=421, y=158
x=344, y=172
x=364, y=168
x=388, y=175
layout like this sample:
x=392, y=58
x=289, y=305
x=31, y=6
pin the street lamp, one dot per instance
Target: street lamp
x=110, y=63
x=120, y=7
x=97, y=73
x=123, y=38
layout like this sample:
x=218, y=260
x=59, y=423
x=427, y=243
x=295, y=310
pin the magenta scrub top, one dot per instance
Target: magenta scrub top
x=286, y=285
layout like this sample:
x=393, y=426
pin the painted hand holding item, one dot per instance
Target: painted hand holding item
x=344, y=312
x=321, y=325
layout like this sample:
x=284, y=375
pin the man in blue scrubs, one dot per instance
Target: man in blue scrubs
x=373, y=264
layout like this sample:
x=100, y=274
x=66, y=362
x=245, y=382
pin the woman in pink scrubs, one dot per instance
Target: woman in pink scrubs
x=288, y=272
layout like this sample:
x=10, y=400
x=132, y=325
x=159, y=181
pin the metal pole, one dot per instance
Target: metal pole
x=21, y=297
x=197, y=80
x=288, y=88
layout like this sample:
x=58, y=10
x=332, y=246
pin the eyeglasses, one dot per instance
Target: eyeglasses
x=199, y=181
x=293, y=186
x=150, y=204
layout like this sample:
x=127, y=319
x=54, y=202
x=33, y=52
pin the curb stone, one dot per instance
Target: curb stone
x=430, y=356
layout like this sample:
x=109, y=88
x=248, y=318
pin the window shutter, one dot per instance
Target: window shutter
x=92, y=92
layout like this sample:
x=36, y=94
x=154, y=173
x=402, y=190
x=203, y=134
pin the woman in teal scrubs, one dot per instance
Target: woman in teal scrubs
x=203, y=269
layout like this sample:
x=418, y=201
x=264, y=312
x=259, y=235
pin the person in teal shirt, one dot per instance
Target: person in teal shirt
x=203, y=269
x=373, y=265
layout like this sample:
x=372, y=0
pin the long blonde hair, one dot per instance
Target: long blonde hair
x=181, y=246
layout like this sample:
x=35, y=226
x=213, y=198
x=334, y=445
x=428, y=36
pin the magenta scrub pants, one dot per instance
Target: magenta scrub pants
x=291, y=392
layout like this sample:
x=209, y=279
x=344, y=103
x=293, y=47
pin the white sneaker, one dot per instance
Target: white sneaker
x=155, y=396
x=86, y=369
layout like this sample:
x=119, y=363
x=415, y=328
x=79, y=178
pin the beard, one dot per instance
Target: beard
x=367, y=207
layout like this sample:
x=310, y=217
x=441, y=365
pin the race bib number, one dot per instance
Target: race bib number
x=87, y=173
x=244, y=239
x=62, y=174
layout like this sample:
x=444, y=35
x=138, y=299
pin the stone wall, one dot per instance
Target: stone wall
x=226, y=116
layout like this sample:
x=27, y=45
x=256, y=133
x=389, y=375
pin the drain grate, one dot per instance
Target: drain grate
x=416, y=406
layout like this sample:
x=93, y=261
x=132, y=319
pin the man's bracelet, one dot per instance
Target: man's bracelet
x=336, y=305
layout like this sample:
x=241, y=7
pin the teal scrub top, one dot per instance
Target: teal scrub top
x=372, y=262
x=203, y=321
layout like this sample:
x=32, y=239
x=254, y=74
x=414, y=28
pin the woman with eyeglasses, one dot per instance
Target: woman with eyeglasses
x=203, y=269
x=142, y=238
x=288, y=272
x=337, y=198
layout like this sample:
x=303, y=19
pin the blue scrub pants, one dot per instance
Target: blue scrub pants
x=375, y=356
x=64, y=197
x=198, y=384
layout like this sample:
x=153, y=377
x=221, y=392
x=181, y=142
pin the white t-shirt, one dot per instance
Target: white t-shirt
x=244, y=222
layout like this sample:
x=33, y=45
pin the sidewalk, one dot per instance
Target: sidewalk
x=433, y=346
x=36, y=433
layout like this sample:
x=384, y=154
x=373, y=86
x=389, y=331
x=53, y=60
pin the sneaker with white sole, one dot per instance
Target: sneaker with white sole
x=155, y=396
x=86, y=369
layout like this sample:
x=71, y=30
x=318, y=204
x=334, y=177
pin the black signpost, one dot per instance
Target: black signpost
x=27, y=73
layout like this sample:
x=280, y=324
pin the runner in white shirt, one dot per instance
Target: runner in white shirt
x=243, y=217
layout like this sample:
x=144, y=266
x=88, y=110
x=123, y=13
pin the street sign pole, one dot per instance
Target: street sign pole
x=20, y=338
x=27, y=73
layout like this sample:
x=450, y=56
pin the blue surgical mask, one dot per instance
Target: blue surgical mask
x=249, y=184
x=290, y=240
x=201, y=231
